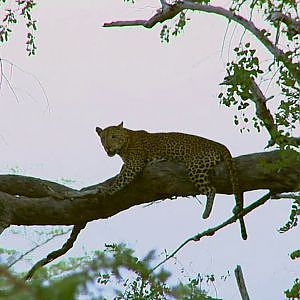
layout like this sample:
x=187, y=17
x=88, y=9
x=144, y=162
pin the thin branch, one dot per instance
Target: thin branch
x=213, y=230
x=241, y=283
x=1, y=73
x=57, y=253
x=224, y=38
x=37, y=246
x=171, y=11
x=230, y=41
x=249, y=25
x=12, y=65
x=10, y=87
x=286, y=196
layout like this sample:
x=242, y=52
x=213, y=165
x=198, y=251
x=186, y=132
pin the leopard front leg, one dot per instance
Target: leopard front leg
x=127, y=174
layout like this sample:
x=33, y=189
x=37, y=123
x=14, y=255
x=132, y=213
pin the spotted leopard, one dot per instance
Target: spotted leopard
x=200, y=155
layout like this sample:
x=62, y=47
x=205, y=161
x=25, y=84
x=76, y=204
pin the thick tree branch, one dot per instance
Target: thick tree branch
x=26, y=200
x=266, y=117
x=169, y=11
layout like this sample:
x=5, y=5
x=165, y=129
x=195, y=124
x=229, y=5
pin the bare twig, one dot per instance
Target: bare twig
x=1, y=73
x=57, y=253
x=213, y=230
x=35, y=78
x=241, y=283
x=11, y=87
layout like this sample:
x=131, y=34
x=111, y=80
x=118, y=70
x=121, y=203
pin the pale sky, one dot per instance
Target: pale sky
x=97, y=76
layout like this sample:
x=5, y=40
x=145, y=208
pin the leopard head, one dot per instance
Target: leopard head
x=113, y=138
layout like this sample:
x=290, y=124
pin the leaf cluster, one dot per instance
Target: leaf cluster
x=294, y=292
x=115, y=273
x=293, y=218
x=19, y=9
x=238, y=81
x=178, y=27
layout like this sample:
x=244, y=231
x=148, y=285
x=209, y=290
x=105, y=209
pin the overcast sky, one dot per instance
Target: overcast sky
x=97, y=76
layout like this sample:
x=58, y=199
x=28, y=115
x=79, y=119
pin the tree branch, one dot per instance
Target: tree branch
x=293, y=25
x=264, y=115
x=241, y=283
x=171, y=10
x=167, y=11
x=27, y=200
x=57, y=253
x=33, y=201
x=52, y=237
x=213, y=230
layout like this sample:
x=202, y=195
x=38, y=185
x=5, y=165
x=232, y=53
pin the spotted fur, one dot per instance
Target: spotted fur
x=200, y=155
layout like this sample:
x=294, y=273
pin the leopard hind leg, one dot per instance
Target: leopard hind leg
x=198, y=174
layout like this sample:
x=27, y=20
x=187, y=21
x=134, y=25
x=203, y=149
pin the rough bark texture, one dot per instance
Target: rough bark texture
x=33, y=201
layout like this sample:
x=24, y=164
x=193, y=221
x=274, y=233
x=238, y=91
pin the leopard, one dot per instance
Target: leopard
x=199, y=155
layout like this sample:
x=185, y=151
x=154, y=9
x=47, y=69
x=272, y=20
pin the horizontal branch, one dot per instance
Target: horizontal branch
x=169, y=11
x=33, y=201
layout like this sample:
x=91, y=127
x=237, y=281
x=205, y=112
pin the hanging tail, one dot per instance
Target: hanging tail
x=239, y=199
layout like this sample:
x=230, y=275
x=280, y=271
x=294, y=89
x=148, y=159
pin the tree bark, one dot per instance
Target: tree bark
x=32, y=201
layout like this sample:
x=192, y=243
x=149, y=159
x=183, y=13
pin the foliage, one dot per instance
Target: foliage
x=294, y=292
x=179, y=25
x=239, y=81
x=114, y=269
x=293, y=219
x=13, y=12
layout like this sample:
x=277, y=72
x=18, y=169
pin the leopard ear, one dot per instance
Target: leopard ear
x=99, y=130
x=121, y=124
